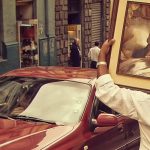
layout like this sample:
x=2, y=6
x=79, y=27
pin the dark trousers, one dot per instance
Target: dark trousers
x=93, y=64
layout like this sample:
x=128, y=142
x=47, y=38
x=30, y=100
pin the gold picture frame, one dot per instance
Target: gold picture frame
x=130, y=57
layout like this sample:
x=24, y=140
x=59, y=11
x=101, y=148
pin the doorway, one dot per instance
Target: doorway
x=74, y=32
x=74, y=24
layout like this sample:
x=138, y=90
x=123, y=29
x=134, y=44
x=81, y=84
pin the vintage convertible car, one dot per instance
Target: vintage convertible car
x=55, y=108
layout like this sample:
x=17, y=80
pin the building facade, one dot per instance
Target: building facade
x=39, y=32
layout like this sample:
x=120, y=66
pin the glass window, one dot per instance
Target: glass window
x=74, y=11
x=62, y=102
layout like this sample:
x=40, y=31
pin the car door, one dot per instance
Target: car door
x=123, y=136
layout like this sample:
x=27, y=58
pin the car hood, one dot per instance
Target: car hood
x=15, y=135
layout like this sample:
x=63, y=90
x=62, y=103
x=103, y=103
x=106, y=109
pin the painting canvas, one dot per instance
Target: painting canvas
x=130, y=56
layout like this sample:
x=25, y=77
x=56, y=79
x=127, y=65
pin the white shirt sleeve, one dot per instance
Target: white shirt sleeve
x=119, y=99
x=89, y=54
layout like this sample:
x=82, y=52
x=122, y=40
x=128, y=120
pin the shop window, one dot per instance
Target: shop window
x=27, y=33
x=28, y=43
x=73, y=5
x=25, y=9
x=74, y=10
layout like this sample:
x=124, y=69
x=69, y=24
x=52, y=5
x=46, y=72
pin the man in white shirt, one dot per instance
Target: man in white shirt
x=93, y=55
x=135, y=104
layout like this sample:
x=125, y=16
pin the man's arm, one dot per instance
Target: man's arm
x=131, y=103
x=119, y=99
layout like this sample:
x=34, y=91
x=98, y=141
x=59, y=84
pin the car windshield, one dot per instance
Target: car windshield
x=58, y=101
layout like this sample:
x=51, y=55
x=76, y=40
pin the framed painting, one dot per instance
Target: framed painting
x=130, y=55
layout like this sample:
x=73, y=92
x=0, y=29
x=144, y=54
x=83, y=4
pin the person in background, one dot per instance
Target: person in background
x=93, y=55
x=135, y=104
x=75, y=54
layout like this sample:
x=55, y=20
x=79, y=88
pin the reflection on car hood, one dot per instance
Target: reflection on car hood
x=15, y=135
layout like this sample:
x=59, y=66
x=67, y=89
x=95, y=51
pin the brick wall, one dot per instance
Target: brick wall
x=61, y=19
x=61, y=31
x=86, y=28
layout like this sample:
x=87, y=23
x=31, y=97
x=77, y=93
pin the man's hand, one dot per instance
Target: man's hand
x=105, y=49
x=102, y=68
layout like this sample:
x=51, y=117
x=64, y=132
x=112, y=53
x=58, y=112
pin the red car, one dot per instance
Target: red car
x=55, y=108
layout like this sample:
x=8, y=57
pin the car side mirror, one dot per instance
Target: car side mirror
x=105, y=119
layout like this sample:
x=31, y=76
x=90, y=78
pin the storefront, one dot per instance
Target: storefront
x=27, y=33
x=36, y=32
